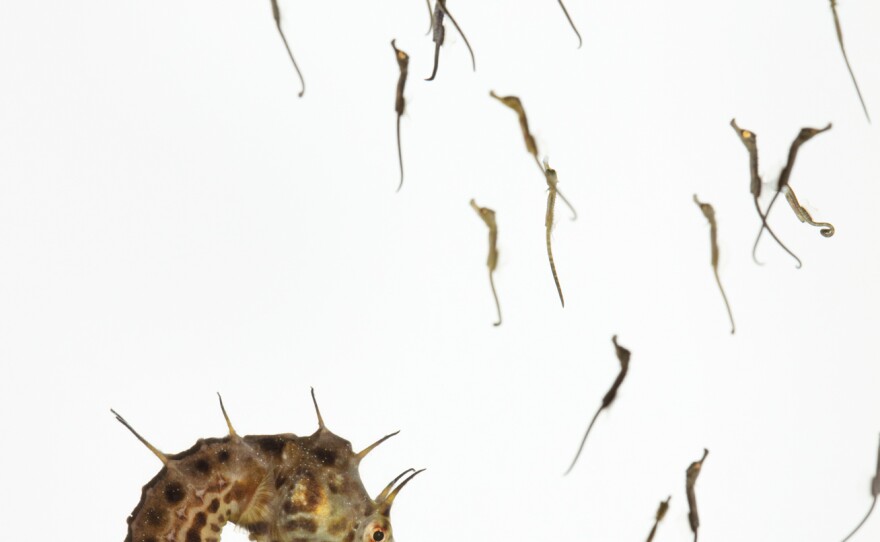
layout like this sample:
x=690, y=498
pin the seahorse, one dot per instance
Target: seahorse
x=552, y=191
x=691, y=475
x=280, y=488
x=399, y=100
x=709, y=212
x=623, y=356
x=488, y=216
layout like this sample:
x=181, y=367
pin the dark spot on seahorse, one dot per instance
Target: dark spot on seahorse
x=368, y=509
x=223, y=456
x=288, y=508
x=174, y=492
x=271, y=445
x=313, y=492
x=203, y=466
x=279, y=481
x=325, y=456
x=260, y=527
x=155, y=517
x=215, y=527
x=333, y=485
x=214, y=506
x=301, y=524
x=349, y=537
x=149, y=539
x=194, y=534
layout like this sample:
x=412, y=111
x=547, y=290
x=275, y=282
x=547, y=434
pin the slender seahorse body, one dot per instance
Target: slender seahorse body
x=280, y=488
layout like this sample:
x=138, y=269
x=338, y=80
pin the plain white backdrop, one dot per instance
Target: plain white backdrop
x=174, y=222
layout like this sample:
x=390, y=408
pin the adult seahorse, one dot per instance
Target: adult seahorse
x=280, y=488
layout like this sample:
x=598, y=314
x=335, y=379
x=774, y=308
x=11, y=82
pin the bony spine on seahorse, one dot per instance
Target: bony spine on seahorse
x=280, y=488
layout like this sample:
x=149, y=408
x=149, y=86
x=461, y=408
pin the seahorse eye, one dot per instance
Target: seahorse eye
x=378, y=535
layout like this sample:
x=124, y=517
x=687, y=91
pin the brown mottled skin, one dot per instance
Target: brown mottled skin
x=514, y=103
x=280, y=488
x=693, y=472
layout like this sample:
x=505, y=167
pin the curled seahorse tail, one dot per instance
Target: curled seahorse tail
x=573, y=27
x=302, y=81
x=436, y=62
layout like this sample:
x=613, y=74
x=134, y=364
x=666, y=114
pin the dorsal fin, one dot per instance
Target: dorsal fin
x=321, y=425
x=232, y=432
x=259, y=506
x=363, y=453
x=162, y=457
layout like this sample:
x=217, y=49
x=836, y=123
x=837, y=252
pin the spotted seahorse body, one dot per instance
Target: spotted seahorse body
x=280, y=488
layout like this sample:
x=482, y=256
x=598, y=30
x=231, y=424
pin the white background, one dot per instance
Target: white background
x=174, y=221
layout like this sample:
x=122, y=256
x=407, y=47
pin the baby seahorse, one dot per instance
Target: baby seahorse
x=548, y=223
x=693, y=472
x=488, y=216
x=623, y=356
x=399, y=101
x=709, y=213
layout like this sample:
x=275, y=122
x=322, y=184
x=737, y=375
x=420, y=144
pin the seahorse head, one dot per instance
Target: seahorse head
x=376, y=527
x=322, y=498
